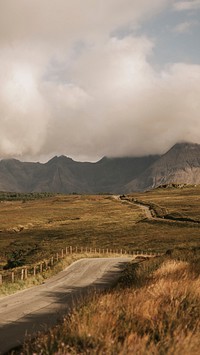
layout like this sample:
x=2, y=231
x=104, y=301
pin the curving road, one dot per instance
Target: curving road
x=39, y=307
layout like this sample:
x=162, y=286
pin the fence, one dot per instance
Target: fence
x=22, y=273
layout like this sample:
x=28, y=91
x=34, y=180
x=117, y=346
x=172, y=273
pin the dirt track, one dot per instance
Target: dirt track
x=146, y=209
x=41, y=306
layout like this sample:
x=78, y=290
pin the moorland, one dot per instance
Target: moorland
x=33, y=229
x=155, y=308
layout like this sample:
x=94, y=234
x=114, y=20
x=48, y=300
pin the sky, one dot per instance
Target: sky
x=94, y=78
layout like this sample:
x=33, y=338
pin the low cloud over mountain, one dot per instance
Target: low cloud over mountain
x=180, y=165
x=93, y=78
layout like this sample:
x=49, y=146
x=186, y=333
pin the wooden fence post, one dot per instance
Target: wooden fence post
x=62, y=253
x=41, y=267
x=22, y=274
x=51, y=261
x=34, y=271
x=57, y=257
x=76, y=250
x=86, y=250
x=70, y=250
x=66, y=250
x=25, y=273
x=13, y=276
x=1, y=280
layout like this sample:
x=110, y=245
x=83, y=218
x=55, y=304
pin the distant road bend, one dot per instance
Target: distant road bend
x=145, y=208
x=40, y=307
x=152, y=214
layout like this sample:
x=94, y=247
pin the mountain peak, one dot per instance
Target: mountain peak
x=61, y=158
x=185, y=145
x=179, y=165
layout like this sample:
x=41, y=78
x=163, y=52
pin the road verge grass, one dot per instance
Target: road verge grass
x=155, y=309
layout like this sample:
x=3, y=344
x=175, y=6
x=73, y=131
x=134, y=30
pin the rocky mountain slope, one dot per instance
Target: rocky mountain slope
x=180, y=165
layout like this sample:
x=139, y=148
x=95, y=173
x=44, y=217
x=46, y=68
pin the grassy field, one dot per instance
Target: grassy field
x=183, y=201
x=33, y=230
x=154, y=310
x=38, y=228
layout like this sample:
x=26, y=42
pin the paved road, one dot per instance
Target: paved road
x=39, y=307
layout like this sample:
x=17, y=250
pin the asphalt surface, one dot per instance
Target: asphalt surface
x=39, y=307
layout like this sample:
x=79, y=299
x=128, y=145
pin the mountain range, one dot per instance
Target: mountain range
x=180, y=165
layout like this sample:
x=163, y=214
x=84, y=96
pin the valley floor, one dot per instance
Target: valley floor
x=156, y=307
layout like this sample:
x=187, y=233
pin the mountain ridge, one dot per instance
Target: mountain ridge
x=61, y=174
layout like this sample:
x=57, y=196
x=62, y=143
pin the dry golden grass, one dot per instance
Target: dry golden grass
x=37, y=229
x=159, y=313
x=185, y=201
x=156, y=307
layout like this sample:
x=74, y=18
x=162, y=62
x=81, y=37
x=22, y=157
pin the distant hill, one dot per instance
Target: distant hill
x=180, y=165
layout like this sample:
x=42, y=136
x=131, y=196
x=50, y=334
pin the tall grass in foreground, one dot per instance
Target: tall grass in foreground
x=154, y=310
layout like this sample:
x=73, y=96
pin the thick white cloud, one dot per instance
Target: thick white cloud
x=68, y=85
x=122, y=106
x=67, y=20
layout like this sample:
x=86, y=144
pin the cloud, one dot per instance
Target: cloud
x=61, y=20
x=123, y=106
x=23, y=110
x=68, y=85
x=187, y=5
x=185, y=27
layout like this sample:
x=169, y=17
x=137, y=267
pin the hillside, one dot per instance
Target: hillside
x=64, y=175
x=180, y=165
